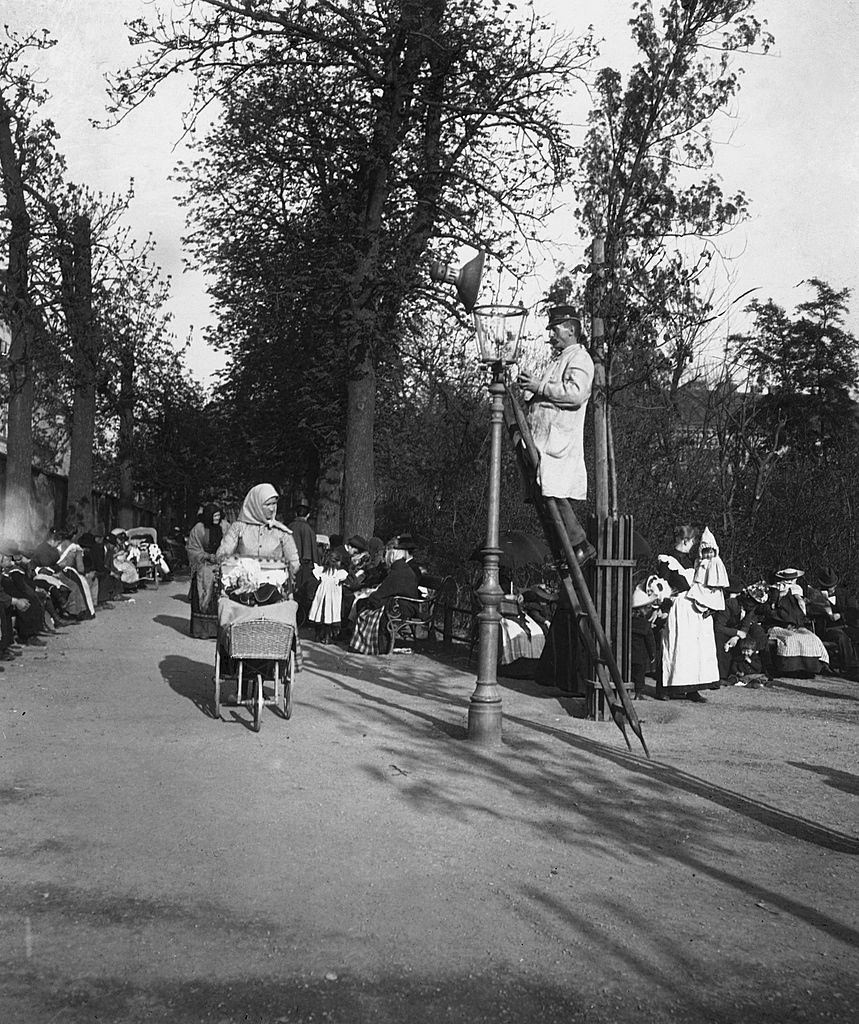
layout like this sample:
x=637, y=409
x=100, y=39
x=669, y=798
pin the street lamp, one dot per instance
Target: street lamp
x=499, y=329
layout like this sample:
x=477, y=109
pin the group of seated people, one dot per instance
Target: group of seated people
x=695, y=629
x=788, y=625
x=60, y=581
x=343, y=588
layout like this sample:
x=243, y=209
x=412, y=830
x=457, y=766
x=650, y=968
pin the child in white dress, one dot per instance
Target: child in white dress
x=326, y=609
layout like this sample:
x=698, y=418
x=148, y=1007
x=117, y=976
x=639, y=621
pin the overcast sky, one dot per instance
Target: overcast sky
x=793, y=145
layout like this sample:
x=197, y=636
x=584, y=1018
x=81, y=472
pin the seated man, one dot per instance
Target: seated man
x=27, y=609
x=834, y=611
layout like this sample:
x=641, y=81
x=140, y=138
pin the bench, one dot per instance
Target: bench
x=408, y=615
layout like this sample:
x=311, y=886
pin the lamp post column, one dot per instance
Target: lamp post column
x=484, y=711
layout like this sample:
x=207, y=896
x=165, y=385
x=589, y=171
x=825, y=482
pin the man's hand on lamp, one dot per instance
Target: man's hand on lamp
x=528, y=381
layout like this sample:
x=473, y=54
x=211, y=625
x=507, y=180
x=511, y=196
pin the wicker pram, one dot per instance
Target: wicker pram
x=259, y=653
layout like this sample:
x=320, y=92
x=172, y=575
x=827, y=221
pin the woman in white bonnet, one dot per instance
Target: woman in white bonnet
x=689, y=662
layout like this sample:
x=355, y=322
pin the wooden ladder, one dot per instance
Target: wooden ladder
x=601, y=655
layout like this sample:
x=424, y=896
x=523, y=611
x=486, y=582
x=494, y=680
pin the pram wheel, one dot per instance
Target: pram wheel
x=217, y=696
x=288, y=680
x=258, y=702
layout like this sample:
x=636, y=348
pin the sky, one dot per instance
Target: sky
x=792, y=143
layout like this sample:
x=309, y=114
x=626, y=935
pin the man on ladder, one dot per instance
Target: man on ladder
x=556, y=416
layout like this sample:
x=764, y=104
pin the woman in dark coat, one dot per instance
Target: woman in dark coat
x=400, y=581
x=203, y=542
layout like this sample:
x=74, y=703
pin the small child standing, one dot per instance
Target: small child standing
x=643, y=644
x=326, y=609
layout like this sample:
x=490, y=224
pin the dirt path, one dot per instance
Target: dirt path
x=363, y=862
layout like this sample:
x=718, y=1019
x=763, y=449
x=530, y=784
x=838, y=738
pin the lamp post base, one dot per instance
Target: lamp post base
x=484, y=723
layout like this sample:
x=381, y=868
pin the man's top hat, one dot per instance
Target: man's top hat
x=563, y=314
x=827, y=579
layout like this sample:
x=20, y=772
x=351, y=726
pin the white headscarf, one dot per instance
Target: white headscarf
x=254, y=511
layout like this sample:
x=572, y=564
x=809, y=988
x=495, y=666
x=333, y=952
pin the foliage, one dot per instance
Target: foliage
x=805, y=367
x=645, y=182
x=737, y=452
x=352, y=135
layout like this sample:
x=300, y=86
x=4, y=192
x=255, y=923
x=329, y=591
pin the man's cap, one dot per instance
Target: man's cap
x=562, y=314
x=357, y=541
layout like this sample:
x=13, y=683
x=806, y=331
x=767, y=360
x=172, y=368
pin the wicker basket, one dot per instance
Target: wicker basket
x=259, y=638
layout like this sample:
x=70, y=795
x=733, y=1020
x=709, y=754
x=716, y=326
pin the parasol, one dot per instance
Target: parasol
x=518, y=549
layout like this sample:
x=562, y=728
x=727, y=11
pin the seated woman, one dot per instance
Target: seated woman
x=375, y=569
x=64, y=597
x=795, y=649
x=121, y=562
x=257, y=534
x=71, y=564
x=369, y=636
x=742, y=645
x=203, y=543
x=106, y=586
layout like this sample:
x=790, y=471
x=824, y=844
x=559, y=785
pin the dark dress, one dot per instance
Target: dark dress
x=643, y=651
x=203, y=542
x=31, y=622
x=369, y=636
x=751, y=652
x=308, y=555
x=561, y=663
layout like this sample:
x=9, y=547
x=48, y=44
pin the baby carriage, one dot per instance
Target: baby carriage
x=146, y=554
x=257, y=648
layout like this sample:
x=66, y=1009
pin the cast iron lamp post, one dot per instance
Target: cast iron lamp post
x=499, y=329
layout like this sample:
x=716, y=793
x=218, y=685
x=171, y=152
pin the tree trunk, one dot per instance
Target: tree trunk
x=330, y=495
x=126, y=436
x=85, y=355
x=600, y=392
x=18, y=514
x=359, y=483
x=17, y=522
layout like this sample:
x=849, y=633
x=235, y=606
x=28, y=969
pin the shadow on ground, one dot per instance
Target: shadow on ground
x=190, y=679
x=542, y=784
x=813, y=691
x=844, y=781
x=493, y=996
x=180, y=625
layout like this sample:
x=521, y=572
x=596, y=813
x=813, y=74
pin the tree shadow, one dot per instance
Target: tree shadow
x=51, y=989
x=540, y=791
x=812, y=691
x=835, y=778
x=649, y=771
